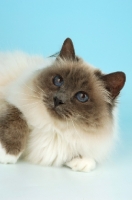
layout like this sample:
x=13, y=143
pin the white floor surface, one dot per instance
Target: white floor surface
x=110, y=181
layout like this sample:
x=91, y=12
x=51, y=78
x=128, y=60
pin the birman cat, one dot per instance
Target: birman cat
x=57, y=111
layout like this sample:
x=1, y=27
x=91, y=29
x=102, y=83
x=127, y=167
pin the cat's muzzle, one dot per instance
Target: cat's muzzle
x=57, y=101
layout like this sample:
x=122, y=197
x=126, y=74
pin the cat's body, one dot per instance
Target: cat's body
x=56, y=112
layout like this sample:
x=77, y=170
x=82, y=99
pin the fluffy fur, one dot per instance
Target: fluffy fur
x=74, y=134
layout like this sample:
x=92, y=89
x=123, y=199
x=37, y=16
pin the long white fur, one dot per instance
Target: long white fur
x=50, y=142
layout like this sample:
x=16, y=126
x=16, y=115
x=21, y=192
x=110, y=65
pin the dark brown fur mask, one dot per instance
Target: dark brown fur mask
x=75, y=90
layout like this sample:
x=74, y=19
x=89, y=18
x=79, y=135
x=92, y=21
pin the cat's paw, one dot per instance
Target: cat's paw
x=7, y=158
x=82, y=164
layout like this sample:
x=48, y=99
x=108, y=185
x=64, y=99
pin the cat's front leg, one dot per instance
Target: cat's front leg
x=82, y=164
x=6, y=158
x=13, y=134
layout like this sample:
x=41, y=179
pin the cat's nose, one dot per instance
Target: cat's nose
x=57, y=102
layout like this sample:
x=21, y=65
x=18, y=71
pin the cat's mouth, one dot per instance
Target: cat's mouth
x=59, y=112
x=57, y=102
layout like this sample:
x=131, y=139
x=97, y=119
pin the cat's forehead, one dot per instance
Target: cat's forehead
x=77, y=76
x=78, y=73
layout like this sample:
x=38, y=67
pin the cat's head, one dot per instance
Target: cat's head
x=73, y=90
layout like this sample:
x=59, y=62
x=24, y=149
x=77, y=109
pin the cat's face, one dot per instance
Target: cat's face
x=71, y=91
x=75, y=91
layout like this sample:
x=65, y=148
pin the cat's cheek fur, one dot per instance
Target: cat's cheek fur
x=6, y=158
x=82, y=164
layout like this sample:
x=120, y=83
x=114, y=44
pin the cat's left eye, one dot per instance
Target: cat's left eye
x=58, y=80
x=82, y=97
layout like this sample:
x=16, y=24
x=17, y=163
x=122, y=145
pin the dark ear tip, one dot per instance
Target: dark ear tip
x=67, y=40
x=67, y=50
x=120, y=72
x=122, y=75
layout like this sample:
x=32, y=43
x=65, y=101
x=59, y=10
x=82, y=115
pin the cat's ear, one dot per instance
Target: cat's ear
x=114, y=82
x=67, y=50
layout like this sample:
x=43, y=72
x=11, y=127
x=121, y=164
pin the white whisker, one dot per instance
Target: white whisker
x=32, y=111
x=67, y=125
x=29, y=104
x=75, y=128
x=78, y=115
x=44, y=94
x=40, y=89
x=30, y=88
x=25, y=99
x=27, y=95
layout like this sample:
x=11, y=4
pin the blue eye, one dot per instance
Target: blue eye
x=82, y=97
x=58, y=80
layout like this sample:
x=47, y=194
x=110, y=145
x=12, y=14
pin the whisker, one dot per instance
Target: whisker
x=75, y=128
x=44, y=94
x=30, y=104
x=32, y=112
x=25, y=99
x=40, y=89
x=27, y=94
x=67, y=124
x=78, y=115
x=30, y=88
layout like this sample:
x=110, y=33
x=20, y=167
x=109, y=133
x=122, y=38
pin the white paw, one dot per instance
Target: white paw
x=7, y=158
x=82, y=164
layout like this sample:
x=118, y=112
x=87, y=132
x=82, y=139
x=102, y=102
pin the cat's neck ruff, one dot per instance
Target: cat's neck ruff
x=57, y=146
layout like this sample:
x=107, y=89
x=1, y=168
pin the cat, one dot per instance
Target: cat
x=57, y=111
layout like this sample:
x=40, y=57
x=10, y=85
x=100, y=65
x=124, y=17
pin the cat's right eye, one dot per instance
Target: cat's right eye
x=58, y=80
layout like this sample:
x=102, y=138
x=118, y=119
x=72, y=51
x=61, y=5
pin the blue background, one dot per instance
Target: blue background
x=101, y=32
